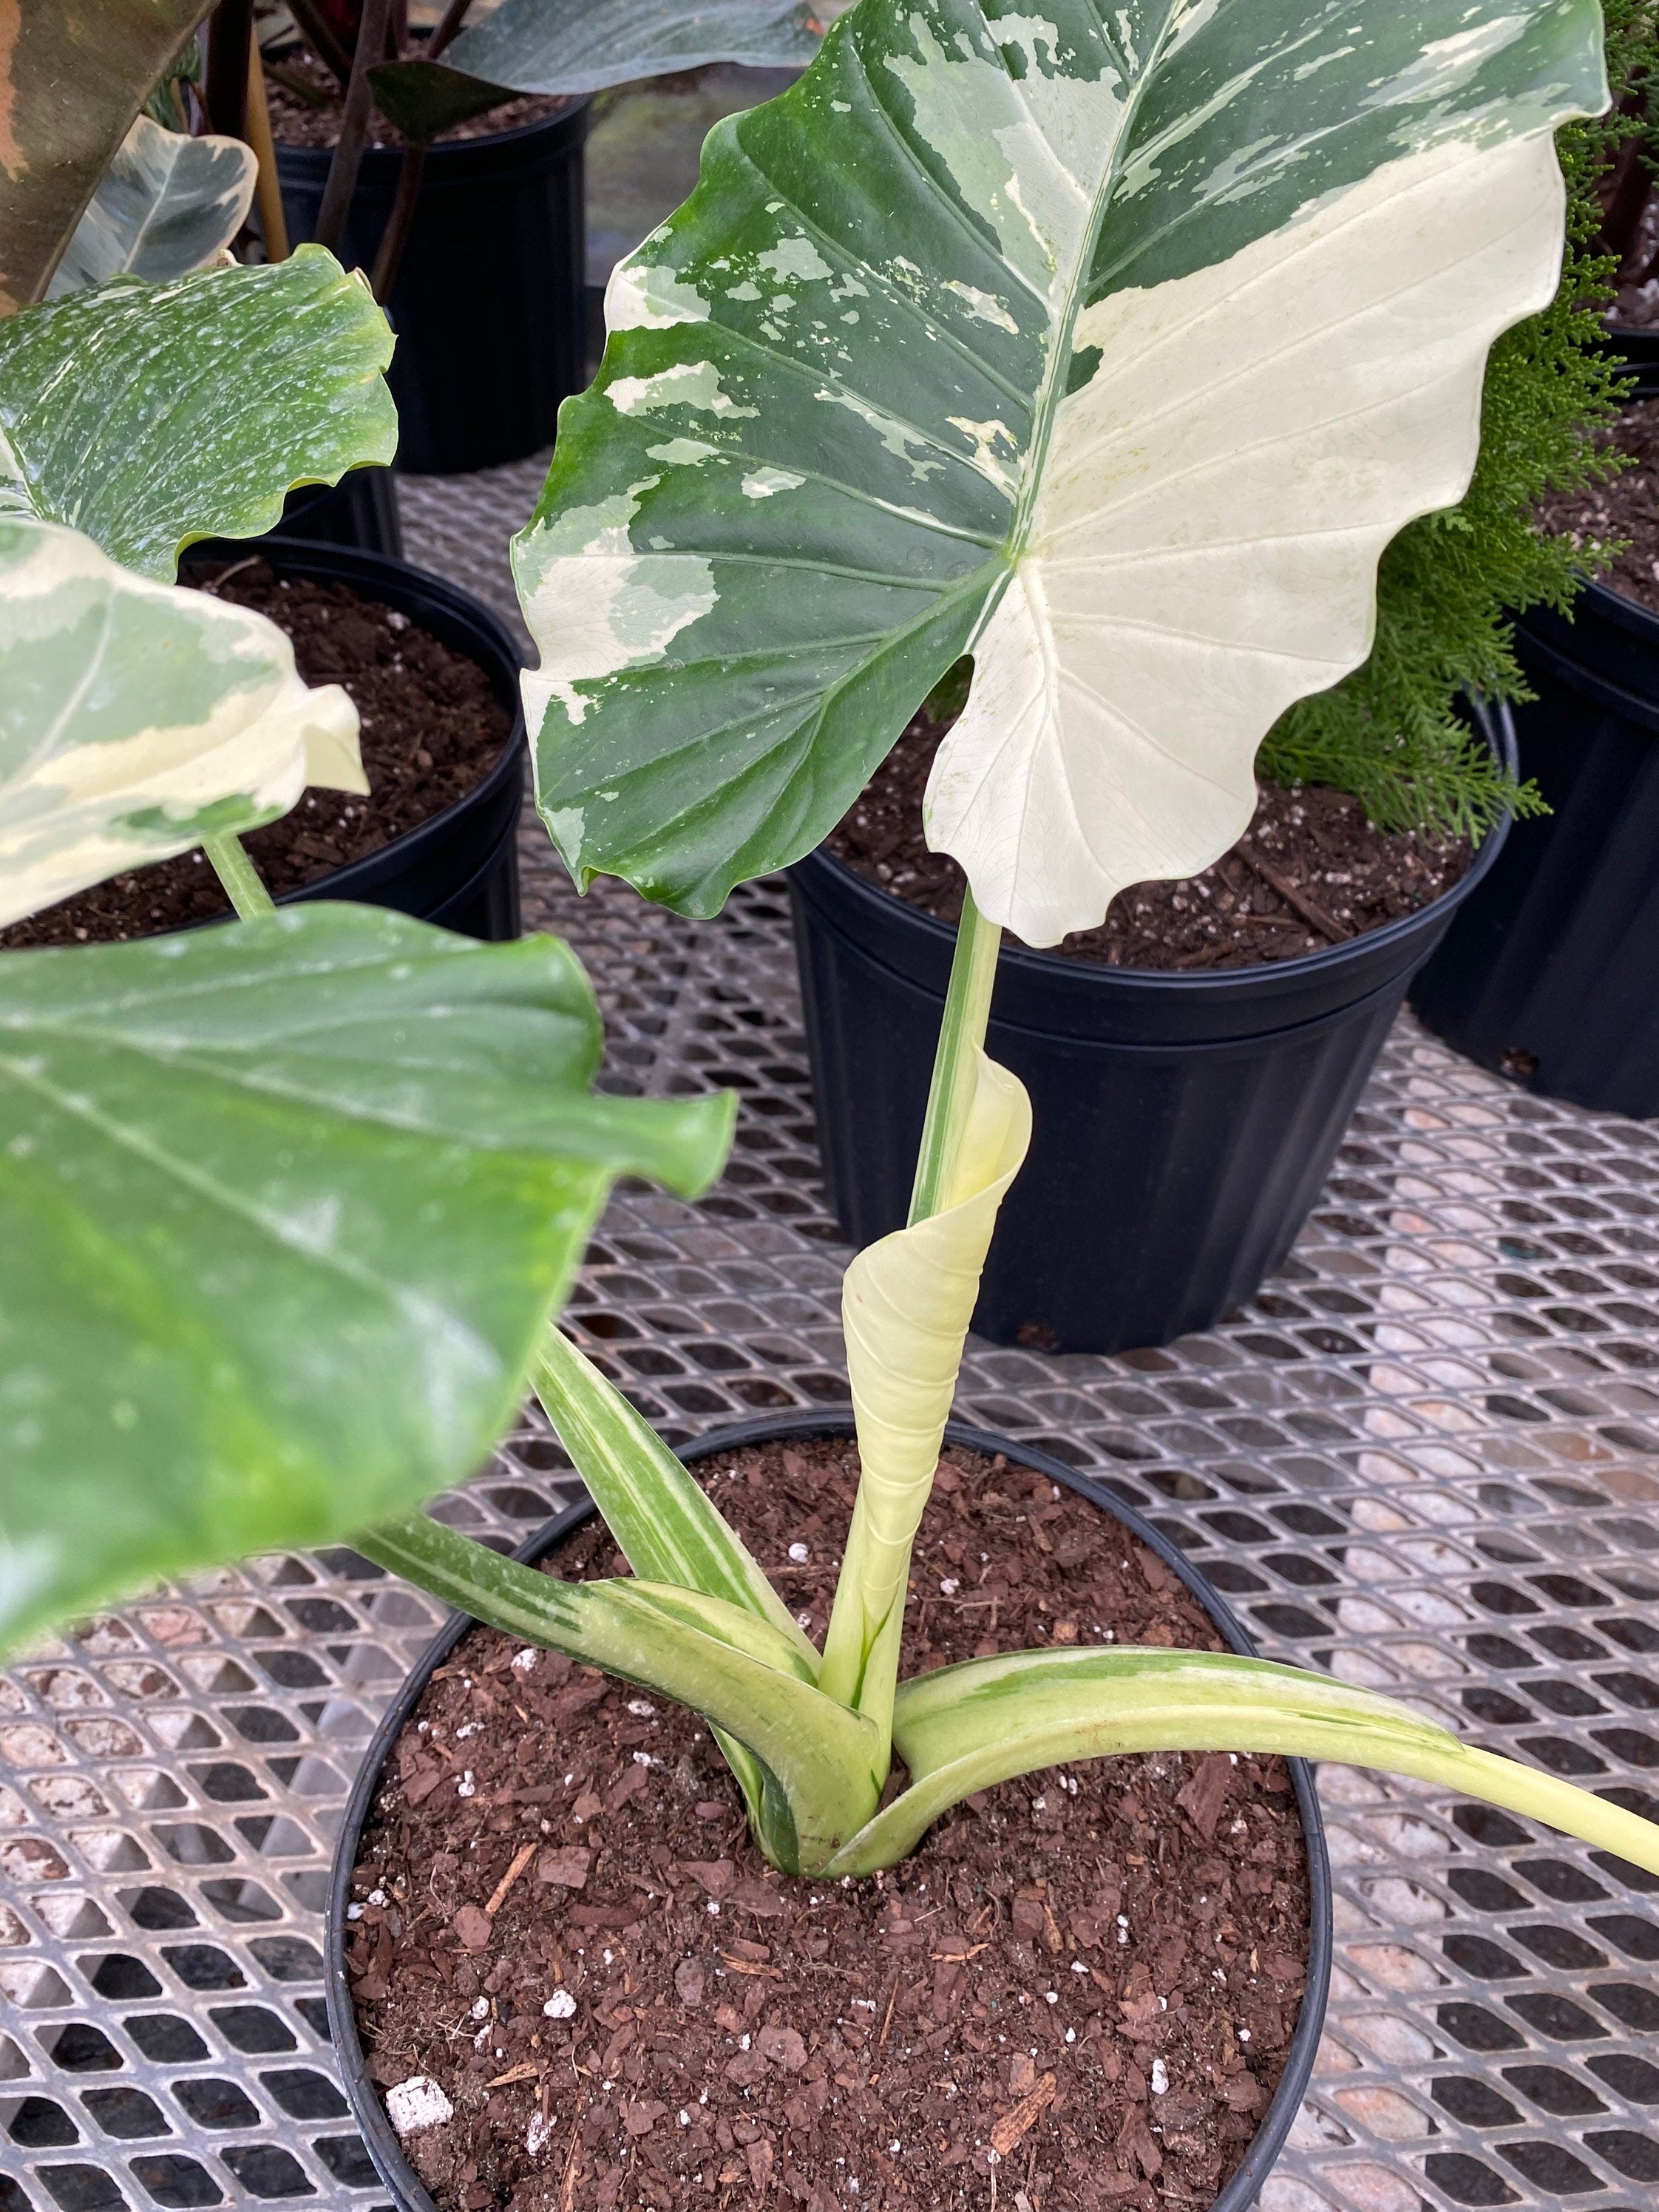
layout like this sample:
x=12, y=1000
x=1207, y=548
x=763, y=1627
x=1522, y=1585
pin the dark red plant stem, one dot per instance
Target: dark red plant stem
x=354, y=128
x=389, y=259
x=228, y=39
x=320, y=35
x=395, y=237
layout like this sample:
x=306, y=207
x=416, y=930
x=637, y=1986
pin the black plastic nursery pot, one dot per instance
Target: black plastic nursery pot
x=459, y=868
x=1547, y=973
x=360, y=510
x=408, y=2193
x=488, y=303
x=1182, y=1124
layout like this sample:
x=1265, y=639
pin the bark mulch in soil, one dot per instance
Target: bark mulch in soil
x=433, y=726
x=1628, y=507
x=1311, y=872
x=312, y=117
x=1094, y=1973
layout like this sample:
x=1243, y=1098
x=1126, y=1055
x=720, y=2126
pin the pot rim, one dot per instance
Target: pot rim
x=1492, y=718
x=580, y=102
x=367, y=2111
x=356, y=566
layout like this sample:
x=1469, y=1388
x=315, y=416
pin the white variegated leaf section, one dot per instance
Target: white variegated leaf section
x=166, y=204
x=1211, y=507
x=135, y=716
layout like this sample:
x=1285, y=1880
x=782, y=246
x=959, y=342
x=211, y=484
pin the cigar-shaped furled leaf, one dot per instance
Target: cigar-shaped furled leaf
x=812, y=1757
x=149, y=416
x=166, y=204
x=962, y=1729
x=1109, y=344
x=136, y=718
x=906, y=1302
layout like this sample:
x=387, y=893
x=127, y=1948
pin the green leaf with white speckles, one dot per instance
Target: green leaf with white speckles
x=166, y=204
x=136, y=718
x=1109, y=344
x=149, y=415
x=284, y=1207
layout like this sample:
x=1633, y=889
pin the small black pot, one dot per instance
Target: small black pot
x=1640, y=349
x=360, y=510
x=1183, y=1124
x=1547, y=973
x=366, y=2109
x=488, y=303
x=460, y=868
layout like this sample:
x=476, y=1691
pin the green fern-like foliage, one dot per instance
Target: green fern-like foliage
x=1390, y=732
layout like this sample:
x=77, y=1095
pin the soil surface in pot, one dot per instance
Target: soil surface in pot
x=1096, y=1973
x=433, y=726
x=1309, y=873
x=1627, y=508
x=311, y=116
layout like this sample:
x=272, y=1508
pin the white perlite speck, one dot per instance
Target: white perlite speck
x=540, y=2134
x=561, y=2006
x=799, y=1554
x=525, y=1660
x=1160, y=2081
x=416, y=2105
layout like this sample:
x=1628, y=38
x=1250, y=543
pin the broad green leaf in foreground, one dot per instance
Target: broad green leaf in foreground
x=166, y=205
x=72, y=74
x=1109, y=344
x=137, y=718
x=149, y=415
x=284, y=1208
x=583, y=45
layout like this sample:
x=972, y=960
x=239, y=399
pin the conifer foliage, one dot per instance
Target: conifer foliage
x=1450, y=583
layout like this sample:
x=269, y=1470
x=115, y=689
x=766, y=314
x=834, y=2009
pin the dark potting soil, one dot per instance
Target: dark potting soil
x=1625, y=507
x=431, y=728
x=299, y=120
x=1095, y=1972
x=1309, y=873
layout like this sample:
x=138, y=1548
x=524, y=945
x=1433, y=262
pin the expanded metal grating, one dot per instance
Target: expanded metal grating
x=1426, y=1458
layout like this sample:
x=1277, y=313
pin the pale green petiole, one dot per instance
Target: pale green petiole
x=664, y=1526
x=240, y=878
x=961, y=1040
x=743, y=1675
x=962, y=1729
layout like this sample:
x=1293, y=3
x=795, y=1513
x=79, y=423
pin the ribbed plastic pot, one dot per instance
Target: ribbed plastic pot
x=488, y=303
x=1183, y=1123
x=1547, y=973
x=406, y=2190
x=460, y=868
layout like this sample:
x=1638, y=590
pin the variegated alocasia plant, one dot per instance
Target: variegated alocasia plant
x=978, y=340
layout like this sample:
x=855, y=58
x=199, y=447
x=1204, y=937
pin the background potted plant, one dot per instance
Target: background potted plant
x=1191, y=1093
x=1544, y=977
x=458, y=181
x=300, y=1196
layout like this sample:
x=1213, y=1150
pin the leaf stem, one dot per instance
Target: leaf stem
x=335, y=211
x=240, y=878
x=961, y=1039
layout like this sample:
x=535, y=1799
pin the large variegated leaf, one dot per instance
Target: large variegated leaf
x=137, y=718
x=906, y=1302
x=72, y=74
x=584, y=45
x=166, y=204
x=1107, y=344
x=284, y=1207
x=149, y=415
